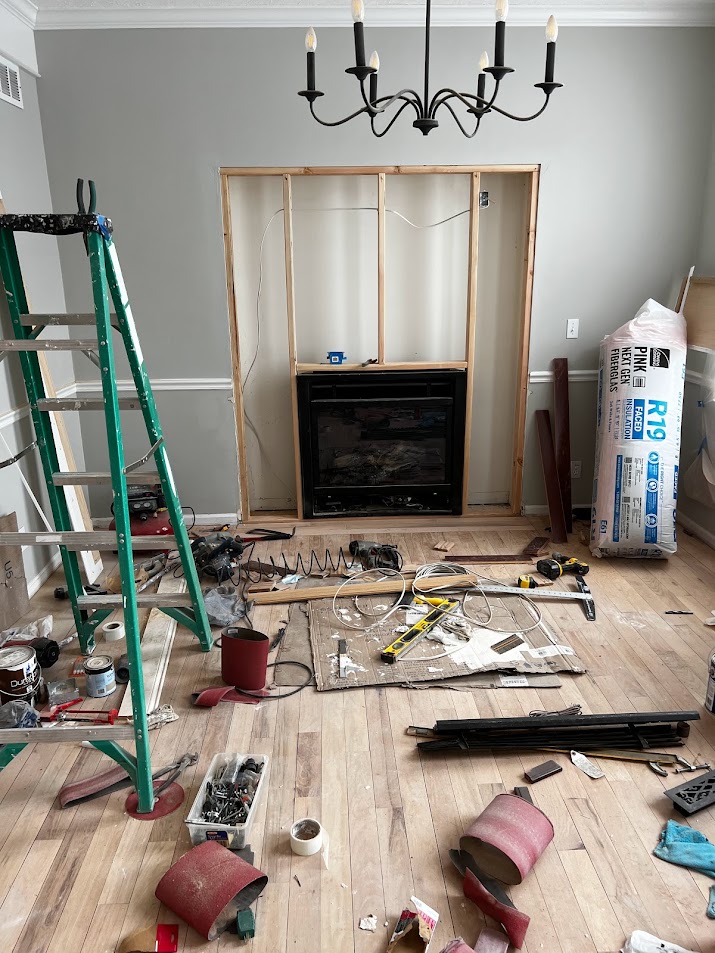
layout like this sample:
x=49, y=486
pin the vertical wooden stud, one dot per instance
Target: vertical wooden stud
x=517, y=477
x=235, y=350
x=292, y=341
x=381, y=268
x=470, y=343
x=562, y=434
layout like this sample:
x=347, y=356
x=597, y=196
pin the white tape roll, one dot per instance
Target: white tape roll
x=306, y=837
x=113, y=631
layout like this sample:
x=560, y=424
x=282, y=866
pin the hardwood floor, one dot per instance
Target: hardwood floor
x=78, y=880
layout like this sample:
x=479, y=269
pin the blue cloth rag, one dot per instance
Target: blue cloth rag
x=686, y=847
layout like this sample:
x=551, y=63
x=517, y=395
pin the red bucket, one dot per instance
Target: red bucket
x=244, y=658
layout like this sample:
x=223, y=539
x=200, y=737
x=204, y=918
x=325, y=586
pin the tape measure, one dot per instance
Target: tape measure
x=395, y=650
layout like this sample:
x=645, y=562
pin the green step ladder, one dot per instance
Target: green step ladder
x=90, y=610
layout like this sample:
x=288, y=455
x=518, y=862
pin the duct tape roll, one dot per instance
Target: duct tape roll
x=113, y=631
x=208, y=886
x=306, y=837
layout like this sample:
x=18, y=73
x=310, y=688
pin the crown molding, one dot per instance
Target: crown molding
x=657, y=13
x=24, y=10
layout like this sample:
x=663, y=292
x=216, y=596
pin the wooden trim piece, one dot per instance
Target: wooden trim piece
x=387, y=366
x=235, y=350
x=25, y=736
x=517, y=476
x=156, y=643
x=471, y=340
x=551, y=478
x=381, y=268
x=292, y=340
x=282, y=596
x=376, y=169
x=562, y=435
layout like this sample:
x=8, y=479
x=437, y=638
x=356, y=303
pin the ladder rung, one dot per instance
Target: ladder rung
x=85, y=403
x=63, y=320
x=48, y=344
x=57, y=734
x=145, y=600
x=88, y=478
x=106, y=539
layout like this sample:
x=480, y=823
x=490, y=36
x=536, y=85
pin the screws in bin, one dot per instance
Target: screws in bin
x=228, y=798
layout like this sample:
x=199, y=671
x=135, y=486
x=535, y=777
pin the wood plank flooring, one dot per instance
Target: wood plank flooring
x=81, y=879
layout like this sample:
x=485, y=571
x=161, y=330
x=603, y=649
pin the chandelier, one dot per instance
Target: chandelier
x=426, y=109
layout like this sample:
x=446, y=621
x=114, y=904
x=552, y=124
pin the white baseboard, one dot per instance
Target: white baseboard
x=34, y=584
x=691, y=526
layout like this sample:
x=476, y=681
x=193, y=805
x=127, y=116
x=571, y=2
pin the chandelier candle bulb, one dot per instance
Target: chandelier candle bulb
x=358, y=16
x=481, y=79
x=502, y=9
x=552, y=31
x=374, y=64
x=311, y=45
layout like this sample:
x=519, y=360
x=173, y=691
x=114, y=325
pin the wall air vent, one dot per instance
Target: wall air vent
x=10, y=87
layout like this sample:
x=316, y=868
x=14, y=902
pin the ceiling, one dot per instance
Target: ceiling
x=104, y=14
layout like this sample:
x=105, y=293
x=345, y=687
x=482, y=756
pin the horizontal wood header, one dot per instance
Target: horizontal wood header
x=379, y=169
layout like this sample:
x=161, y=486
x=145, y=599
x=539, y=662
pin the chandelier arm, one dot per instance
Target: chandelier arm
x=338, y=122
x=394, y=119
x=407, y=94
x=469, y=135
x=503, y=112
x=448, y=93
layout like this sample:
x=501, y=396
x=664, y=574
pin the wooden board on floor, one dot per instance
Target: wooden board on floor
x=157, y=641
x=551, y=477
x=562, y=434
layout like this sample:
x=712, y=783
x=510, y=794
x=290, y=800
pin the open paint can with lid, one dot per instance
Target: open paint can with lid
x=20, y=674
x=99, y=676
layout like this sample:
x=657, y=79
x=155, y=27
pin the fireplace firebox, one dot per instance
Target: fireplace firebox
x=382, y=442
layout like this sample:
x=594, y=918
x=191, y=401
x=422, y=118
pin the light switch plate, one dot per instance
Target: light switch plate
x=572, y=328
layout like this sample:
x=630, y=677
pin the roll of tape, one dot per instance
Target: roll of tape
x=113, y=631
x=306, y=837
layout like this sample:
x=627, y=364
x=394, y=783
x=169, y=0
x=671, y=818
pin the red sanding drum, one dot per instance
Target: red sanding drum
x=244, y=658
x=508, y=838
x=207, y=887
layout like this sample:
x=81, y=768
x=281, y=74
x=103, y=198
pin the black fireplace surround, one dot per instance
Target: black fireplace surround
x=382, y=442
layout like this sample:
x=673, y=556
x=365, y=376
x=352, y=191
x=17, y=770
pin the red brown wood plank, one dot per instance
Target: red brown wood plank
x=562, y=434
x=551, y=478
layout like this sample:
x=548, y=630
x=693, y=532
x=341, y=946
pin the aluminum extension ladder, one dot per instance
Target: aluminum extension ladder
x=89, y=610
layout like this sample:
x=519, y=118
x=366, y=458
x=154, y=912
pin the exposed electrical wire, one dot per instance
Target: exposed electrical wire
x=361, y=576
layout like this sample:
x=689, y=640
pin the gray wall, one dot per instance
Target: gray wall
x=25, y=188
x=153, y=114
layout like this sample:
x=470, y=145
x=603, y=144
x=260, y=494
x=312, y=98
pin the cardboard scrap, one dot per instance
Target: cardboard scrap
x=14, y=601
x=406, y=936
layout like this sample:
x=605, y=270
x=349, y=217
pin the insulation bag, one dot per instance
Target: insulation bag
x=640, y=399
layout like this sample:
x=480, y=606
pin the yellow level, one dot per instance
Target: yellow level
x=395, y=650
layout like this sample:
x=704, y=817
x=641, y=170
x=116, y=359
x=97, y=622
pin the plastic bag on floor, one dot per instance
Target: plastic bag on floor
x=224, y=606
x=18, y=714
x=640, y=942
x=40, y=629
x=640, y=401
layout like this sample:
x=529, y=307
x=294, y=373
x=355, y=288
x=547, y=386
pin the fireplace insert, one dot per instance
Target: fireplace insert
x=382, y=442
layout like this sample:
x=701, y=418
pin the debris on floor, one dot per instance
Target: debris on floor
x=162, y=938
x=640, y=942
x=687, y=847
x=423, y=920
x=368, y=923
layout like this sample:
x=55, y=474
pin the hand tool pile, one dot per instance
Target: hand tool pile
x=228, y=798
x=629, y=730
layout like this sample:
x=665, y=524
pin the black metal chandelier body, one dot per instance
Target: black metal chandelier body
x=426, y=107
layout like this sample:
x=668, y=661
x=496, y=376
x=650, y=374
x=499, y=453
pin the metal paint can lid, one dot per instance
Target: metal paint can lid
x=16, y=656
x=98, y=664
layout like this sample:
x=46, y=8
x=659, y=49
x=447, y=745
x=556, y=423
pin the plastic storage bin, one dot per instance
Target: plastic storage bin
x=232, y=836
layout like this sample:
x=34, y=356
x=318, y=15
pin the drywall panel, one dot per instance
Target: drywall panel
x=500, y=280
x=335, y=259
x=259, y=283
x=426, y=264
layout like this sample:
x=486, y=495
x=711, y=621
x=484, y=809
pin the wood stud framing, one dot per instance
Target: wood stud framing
x=471, y=344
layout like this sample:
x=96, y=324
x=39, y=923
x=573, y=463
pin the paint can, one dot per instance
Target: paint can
x=99, y=675
x=20, y=674
x=710, y=694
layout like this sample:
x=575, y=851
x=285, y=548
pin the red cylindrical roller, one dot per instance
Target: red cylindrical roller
x=508, y=838
x=207, y=886
x=244, y=658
